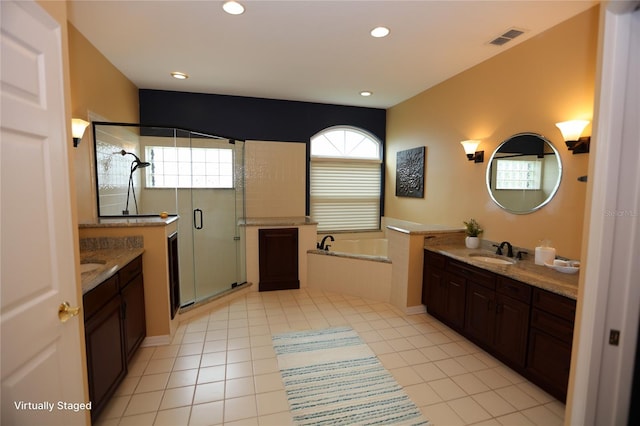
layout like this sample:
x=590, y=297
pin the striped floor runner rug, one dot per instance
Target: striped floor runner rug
x=332, y=377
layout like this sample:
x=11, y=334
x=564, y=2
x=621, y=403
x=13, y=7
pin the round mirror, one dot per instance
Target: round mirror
x=524, y=173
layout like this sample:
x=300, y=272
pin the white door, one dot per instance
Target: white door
x=41, y=357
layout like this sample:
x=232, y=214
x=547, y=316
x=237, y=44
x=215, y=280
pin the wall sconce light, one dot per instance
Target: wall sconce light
x=470, y=147
x=571, y=131
x=77, y=130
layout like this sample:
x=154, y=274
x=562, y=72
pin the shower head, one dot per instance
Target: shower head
x=139, y=163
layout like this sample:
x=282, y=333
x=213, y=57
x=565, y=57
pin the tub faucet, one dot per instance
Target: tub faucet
x=321, y=246
x=501, y=246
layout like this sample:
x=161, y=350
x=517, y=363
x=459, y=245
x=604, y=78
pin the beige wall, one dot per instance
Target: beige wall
x=275, y=176
x=98, y=86
x=544, y=80
x=98, y=89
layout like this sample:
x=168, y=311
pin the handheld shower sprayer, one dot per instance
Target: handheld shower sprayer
x=135, y=164
x=139, y=164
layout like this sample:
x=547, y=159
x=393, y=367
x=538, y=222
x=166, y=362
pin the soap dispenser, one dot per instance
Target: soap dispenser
x=545, y=253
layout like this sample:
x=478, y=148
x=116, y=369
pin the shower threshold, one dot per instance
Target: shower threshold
x=216, y=297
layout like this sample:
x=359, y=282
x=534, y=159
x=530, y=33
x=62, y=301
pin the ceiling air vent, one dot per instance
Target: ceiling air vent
x=506, y=37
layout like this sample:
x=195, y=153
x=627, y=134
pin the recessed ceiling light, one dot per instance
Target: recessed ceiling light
x=233, y=8
x=366, y=93
x=380, y=32
x=179, y=75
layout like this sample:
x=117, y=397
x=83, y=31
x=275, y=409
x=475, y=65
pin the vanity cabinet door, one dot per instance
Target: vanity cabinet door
x=511, y=329
x=433, y=291
x=135, y=329
x=480, y=320
x=498, y=322
x=456, y=290
x=278, y=259
x=106, y=362
x=550, y=340
x=443, y=293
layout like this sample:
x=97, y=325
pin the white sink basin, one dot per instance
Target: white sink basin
x=491, y=259
x=88, y=267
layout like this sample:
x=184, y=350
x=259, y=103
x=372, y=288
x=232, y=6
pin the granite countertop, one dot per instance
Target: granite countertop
x=277, y=221
x=129, y=221
x=523, y=270
x=111, y=261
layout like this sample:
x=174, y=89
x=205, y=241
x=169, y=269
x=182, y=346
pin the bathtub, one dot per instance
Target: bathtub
x=356, y=267
x=366, y=247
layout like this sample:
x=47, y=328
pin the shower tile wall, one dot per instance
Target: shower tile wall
x=275, y=179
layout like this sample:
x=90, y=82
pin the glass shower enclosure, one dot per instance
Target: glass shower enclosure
x=143, y=171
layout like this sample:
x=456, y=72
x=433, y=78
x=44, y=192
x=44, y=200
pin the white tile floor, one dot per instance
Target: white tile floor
x=221, y=367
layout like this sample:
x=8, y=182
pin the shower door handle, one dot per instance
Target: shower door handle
x=197, y=214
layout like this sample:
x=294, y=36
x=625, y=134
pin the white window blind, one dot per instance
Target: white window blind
x=345, y=195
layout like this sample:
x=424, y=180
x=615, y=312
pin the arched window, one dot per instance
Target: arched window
x=345, y=180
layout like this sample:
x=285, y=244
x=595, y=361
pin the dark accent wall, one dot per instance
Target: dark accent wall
x=253, y=118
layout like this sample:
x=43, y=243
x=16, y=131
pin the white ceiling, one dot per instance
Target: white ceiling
x=315, y=51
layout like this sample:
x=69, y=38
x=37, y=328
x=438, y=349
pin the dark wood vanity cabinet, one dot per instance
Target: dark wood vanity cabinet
x=480, y=320
x=527, y=328
x=114, y=328
x=278, y=259
x=103, y=328
x=443, y=293
x=513, y=313
x=498, y=321
x=552, y=321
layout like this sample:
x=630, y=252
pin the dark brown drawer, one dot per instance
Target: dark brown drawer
x=551, y=324
x=555, y=304
x=130, y=271
x=514, y=289
x=434, y=260
x=471, y=273
x=99, y=296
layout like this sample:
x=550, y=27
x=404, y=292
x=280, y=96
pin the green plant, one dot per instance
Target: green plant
x=472, y=228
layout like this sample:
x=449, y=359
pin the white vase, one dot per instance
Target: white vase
x=472, y=242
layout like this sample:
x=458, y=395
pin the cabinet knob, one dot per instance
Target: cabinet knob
x=65, y=311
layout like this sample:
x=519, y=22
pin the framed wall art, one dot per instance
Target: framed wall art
x=410, y=173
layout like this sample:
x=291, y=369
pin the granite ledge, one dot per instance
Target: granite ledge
x=371, y=258
x=277, y=221
x=523, y=270
x=128, y=222
x=421, y=229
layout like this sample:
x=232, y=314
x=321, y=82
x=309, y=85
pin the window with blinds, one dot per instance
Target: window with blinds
x=345, y=180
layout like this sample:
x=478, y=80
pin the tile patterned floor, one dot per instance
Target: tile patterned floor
x=220, y=368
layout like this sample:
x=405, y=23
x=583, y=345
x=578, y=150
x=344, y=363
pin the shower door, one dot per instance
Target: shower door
x=198, y=177
x=216, y=202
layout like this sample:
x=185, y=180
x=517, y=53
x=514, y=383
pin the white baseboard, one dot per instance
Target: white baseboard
x=415, y=310
x=156, y=340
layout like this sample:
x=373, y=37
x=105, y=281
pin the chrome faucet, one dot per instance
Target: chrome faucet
x=321, y=245
x=501, y=246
